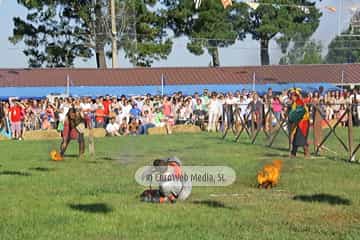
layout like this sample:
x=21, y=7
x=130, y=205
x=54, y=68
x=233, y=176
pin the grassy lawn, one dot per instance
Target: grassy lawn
x=97, y=198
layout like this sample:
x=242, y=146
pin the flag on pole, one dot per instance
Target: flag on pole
x=331, y=9
x=226, y=3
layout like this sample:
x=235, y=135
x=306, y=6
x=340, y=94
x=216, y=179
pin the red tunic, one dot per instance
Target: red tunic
x=67, y=133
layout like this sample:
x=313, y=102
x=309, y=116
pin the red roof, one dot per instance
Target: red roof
x=184, y=75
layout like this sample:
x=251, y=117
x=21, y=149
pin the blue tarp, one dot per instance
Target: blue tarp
x=94, y=91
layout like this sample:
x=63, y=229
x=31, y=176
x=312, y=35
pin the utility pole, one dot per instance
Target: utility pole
x=114, y=36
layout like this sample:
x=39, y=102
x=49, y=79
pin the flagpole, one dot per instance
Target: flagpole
x=254, y=81
x=162, y=84
x=67, y=85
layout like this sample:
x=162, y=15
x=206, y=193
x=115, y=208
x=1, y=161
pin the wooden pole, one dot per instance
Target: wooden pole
x=317, y=128
x=270, y=118
x=350, y=134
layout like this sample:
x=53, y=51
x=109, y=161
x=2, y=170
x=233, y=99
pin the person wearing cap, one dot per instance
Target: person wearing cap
x=299, y=121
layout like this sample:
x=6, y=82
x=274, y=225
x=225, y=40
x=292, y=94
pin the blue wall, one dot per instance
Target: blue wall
x=32, y=92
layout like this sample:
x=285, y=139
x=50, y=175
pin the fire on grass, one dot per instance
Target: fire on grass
x=55, y=156
x=270, y=175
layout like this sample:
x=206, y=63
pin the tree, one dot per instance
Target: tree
x=209, y=27
x=56, y=32
x=310, y=53
x=150, y=42
x=289, y=20
x=346, y=47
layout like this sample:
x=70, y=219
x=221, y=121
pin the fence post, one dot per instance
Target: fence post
x=269, y=122
x=252, y=123
x=317, y=128
x=350, y=129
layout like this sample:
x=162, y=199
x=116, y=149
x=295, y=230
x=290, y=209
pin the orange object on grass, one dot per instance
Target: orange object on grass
x=55, y=156
x=269, y=176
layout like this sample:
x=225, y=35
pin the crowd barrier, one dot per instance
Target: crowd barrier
x=271, y=125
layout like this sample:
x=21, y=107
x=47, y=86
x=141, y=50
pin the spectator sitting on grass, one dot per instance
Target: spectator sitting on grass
x=112, y=128
x=133, y=127
x=46, y=125
x=124, y=127
x=161, y=120
x=147, y=121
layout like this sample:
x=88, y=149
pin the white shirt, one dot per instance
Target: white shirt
x=65, y=108
x=112, y=127
x=126, y=109
x=85, y=107
x=213, y=105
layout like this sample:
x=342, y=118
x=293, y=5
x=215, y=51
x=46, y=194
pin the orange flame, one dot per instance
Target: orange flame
x=55, y=156
x=269, y=176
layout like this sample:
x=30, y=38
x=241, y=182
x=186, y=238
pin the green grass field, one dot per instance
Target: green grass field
x=97, y=198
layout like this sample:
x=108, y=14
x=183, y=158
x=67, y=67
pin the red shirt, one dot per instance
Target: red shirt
x=106, y=104
x=99, y=115
x=15, y=113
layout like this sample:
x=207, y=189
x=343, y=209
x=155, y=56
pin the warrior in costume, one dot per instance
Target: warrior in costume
x=74, y=126
x=299, y=122
x=172, y=186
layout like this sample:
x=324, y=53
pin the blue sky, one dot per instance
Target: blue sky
x=243, y=53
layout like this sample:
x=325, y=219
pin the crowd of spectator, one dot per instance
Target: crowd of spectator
x=137, y=114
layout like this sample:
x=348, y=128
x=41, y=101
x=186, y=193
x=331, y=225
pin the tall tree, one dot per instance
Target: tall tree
x=208, y=28
x=56, y=32
x=310, y=53
x=149, y=42
x=289, y=20
x=346, y=47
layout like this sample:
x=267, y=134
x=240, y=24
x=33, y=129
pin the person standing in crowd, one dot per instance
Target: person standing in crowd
x=213, y=110
x=277, y=108
x=299, y=120
x=168, y=109
x=100, y=116
x=86, y=107
x=357, y=106
x=2, y=118
x=15, y=117
x=205, y=100
x=107, y=105
x=256, y=110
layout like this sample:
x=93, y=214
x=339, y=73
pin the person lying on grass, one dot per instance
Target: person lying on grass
x=172, y=185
